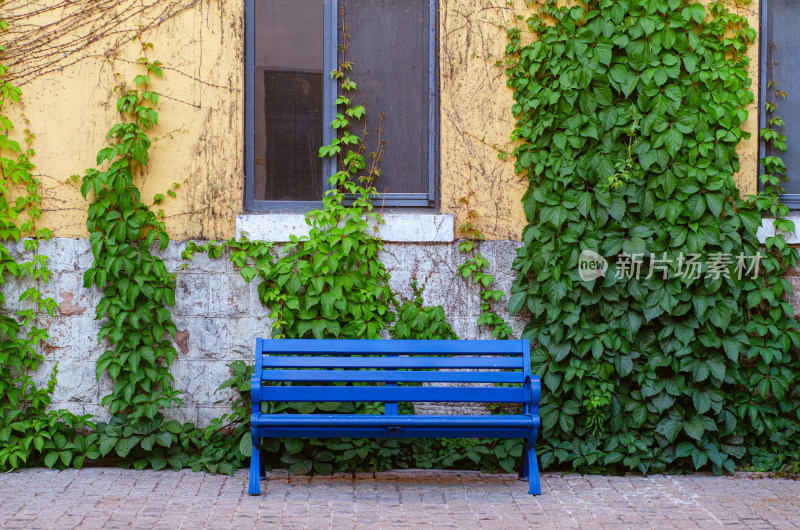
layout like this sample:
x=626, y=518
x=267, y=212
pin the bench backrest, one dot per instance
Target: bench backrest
x=386, y=367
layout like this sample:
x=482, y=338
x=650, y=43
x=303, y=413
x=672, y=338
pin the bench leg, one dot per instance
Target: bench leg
x=534, y=487
x=255, y=469
x=523, y=462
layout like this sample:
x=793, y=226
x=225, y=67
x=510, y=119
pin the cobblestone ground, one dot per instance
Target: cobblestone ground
x=115, y=498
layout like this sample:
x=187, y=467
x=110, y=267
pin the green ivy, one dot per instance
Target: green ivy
x=332, y=284
x=475, y=268
x=628, y=117
x=137, y=288
x=29, y=434
x=415, y=320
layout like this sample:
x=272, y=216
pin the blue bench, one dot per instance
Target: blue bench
x=390, y=371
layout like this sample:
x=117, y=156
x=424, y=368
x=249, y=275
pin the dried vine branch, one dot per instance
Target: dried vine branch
x=48, y=38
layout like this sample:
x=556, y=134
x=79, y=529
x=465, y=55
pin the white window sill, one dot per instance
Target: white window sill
x=768, y=229
x=397, y=227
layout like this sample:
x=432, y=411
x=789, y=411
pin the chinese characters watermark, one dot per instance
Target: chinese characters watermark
x=592, y=265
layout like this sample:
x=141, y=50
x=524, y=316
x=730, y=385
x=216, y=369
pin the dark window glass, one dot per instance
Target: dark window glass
x=288, y=100
x=389, y=46
x=783, y=29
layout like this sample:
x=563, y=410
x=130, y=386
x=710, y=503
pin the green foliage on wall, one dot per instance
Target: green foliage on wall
x=29, y=435
x=137, y=288
x=332, y=284
x=628, y=116
x=126, y=236
x=475, y=269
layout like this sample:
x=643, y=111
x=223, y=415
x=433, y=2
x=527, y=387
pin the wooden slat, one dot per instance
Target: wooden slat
x=388, y=432
x=391, y=376
x=391, y=347
x=394, y=394
x=392, y=362
x=353, y=420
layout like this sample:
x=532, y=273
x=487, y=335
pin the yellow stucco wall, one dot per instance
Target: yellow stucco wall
x=68, y=81
x=72, y=106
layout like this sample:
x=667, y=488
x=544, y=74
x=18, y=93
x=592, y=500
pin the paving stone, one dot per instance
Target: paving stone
x=116, y=498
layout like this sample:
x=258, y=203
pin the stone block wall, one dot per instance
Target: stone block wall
x=218, y=316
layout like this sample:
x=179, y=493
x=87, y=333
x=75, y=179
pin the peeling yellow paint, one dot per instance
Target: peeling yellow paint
x=200, y=136
x=201, y=128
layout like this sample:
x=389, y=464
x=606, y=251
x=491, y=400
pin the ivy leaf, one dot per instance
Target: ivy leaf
x=714, y=203
x=670, y=427
x=301, y=468
x=662, y=401
x=623, y=364
x=673, y=140
x=246, y=445
x=107, y=443
x=51, y=458
x=699, y=458
x=516, y=302
x=701, y=401
x=552, y=380
x=694, y=427
x=608, y=118
x=721, y=316
x=634, y=245
x=126, y=445
x=698, y=13
x=560, y=140
x=293, y=445
x=604, y=54
x=549, y=416
x=731, y=348
x=716, y=366
x=684, y=449
x=751, y=219
x=617, y=208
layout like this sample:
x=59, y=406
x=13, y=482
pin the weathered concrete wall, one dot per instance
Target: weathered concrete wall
x=65, y=55
x=218, y=317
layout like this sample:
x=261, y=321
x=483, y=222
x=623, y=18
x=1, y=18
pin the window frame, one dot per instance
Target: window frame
x=792, y=200
x=331, y=9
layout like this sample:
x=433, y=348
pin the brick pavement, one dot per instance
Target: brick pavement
x=116, y=498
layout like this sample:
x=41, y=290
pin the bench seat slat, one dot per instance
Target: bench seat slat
x=370, y=420
x=392, y=362
x=394, y=394
x=391, y=347
x=391, y=376
x=386, y=432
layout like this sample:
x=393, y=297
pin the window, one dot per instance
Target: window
x=780, y=47
x=291, y=47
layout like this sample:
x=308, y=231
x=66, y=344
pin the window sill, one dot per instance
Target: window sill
x=397, y=227
x=768, y=230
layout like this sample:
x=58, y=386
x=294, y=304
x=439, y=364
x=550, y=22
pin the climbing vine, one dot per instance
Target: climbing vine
x=137, y=288
x=475, y=268
x=781, y=455
x=29, y=434
x=679, y=350
x=332, y=284
x=628, y=113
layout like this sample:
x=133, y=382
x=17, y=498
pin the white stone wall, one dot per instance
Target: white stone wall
x=218, y=317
